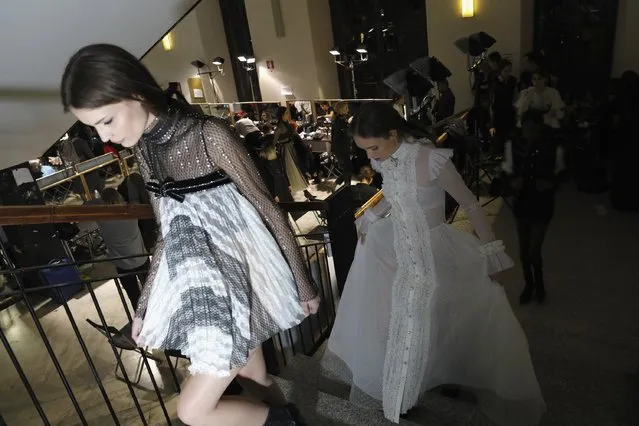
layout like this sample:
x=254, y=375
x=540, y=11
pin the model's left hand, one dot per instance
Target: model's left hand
x=310, y=307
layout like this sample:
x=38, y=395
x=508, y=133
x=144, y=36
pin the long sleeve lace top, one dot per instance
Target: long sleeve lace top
x=181, y=147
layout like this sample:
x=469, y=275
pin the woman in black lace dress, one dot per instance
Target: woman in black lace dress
x=226, y=274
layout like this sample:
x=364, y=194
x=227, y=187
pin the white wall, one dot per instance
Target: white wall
x=625, y=51
x=295, y=56
x=37, y=38
x=322, y=35
x=199, y=36
x=501, y=19
x=209, y=19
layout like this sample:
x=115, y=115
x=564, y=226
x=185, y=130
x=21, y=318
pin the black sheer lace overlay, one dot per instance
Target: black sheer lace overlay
x=187, y=146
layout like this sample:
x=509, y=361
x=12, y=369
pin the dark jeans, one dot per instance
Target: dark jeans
x=531, y=239
x=130, y=282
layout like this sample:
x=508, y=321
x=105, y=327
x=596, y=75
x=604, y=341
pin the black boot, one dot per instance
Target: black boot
x=527, y=294
x=540, y=289
x=284, y=416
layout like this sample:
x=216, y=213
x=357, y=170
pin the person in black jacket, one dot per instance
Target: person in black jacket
x=341, y=142
x=535, y=187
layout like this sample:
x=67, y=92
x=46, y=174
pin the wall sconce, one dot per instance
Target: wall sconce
x=467, y=8
x=167, y=42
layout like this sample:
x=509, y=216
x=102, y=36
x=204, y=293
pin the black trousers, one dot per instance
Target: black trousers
x=130, y=282
x=531, y=239
x=346, y=165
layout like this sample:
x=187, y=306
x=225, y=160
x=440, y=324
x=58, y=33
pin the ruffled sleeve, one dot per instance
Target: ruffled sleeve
x=443, y=173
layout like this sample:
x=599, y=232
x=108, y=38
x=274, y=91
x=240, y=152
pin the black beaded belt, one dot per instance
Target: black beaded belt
x=176, y=189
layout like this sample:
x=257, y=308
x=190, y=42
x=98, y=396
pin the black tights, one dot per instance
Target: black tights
x=531, y=239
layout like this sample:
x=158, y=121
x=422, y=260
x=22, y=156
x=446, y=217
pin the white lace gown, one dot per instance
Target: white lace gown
x=419, y=309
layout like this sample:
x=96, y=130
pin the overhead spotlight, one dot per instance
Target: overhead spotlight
x=361, y=49
x=198, y=64
x=242, y=58
x=334, y=51
x=218, y=60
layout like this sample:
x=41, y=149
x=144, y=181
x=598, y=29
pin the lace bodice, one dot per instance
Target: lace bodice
x=428, y=171
x=186, y=146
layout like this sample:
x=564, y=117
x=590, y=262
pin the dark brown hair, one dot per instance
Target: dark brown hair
x=377, y=119
x=111, y=196
x=103, y=74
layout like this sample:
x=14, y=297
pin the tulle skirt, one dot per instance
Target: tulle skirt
x=476, y=341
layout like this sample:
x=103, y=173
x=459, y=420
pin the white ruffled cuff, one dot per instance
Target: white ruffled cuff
x=496, y=257
x=492, y=248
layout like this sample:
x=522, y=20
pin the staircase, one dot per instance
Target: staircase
x=324, y=401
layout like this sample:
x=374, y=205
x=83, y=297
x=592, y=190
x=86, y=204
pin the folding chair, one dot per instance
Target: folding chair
x=122, y=341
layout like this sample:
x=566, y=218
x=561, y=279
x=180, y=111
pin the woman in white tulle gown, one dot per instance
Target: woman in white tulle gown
x=419, y=307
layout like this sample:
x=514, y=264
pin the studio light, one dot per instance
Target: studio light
x=475, y=44
x=198, y=64
x=242, y=58
x=349, y=61
x=218, y=61
x=250, y=60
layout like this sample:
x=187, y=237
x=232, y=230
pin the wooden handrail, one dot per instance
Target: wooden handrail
x=32, y=215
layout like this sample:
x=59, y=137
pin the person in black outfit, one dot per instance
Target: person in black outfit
x=502, y=106
x=535, y=187
x=341, y=142
x=484, y=79
x=446, y=103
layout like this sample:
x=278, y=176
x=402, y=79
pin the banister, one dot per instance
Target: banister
x=32, y=215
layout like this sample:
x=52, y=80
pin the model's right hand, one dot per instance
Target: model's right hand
x=136, y=328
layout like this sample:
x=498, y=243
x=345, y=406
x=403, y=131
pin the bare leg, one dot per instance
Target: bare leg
x=201, y=404
x=255, y=379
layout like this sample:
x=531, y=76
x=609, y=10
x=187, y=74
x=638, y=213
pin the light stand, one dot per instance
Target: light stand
x=350, y=61
x=218, y=62
x=248, y=63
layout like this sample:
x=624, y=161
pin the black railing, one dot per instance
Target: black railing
x=89, y=336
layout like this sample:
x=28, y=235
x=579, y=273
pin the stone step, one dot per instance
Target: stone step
x=323, y=409
x=307, y=377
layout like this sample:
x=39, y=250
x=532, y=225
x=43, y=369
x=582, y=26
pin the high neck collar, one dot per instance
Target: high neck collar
x=164, y=127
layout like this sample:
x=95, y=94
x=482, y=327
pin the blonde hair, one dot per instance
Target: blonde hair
x=341, y=108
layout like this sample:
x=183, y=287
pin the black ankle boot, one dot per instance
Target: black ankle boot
x=526, y=296
x=288, y=415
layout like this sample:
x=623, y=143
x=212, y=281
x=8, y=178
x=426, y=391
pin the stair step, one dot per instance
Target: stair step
x=307, y=377
x=322, y=409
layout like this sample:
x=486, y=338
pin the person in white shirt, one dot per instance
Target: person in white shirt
x=547, y=103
